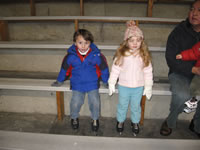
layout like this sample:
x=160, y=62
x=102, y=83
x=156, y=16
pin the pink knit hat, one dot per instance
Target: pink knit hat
x=132, y=30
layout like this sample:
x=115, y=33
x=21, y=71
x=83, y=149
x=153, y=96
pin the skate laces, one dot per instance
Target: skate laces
x=75, y=121
x=135, y=126
x=120, y=125
x=94, y=123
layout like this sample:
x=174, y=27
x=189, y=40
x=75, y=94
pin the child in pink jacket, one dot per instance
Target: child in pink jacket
x=187, y=55
x=132, y=69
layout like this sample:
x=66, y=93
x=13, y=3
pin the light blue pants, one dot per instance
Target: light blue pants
x=77, y=101
x=132, y=96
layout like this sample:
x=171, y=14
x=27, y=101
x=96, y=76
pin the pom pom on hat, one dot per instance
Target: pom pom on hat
x=132, y=30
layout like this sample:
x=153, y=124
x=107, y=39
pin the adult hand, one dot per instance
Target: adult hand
x=196, y=70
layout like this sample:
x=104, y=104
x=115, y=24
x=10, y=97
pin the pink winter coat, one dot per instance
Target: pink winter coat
x=131, y=73
x=192, y=54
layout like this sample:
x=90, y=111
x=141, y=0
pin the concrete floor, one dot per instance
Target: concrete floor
x=40, y=123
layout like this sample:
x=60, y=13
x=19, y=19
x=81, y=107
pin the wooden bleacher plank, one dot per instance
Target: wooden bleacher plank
x=31, y=84
x=92, y=18
x=77, y=19
x=33, y=45
x=45, y=85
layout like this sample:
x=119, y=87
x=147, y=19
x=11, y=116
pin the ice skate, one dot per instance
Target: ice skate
x=75, y=123
x=135, y=128
x=192, y=103
x=95, y=126
x=120, y=127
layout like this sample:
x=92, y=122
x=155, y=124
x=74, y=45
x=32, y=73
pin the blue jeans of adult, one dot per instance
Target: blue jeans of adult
x=77, y=101
x=133, y=96
x=180, y=88
x=196, y=119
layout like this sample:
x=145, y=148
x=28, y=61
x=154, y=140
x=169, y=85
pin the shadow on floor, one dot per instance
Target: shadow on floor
x=40, y=123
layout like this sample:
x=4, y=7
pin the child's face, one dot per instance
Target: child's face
x=82, y=44
x=134, y=43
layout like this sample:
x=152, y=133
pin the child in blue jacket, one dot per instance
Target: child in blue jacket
x=85, y=65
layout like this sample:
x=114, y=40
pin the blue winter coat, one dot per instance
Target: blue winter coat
x=84, y=75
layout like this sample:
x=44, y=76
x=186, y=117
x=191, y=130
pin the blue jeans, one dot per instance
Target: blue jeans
x=180, y=88
x=194, y=86
x=197, y=119
x=77, y=101
x=132, y=96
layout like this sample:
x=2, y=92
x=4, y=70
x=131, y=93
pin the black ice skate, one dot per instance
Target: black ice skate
x=75, y=123
x=135, y=128
x=120, y=127
x=95, y=125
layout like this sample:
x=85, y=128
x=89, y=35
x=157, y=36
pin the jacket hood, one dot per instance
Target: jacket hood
x=72, y=49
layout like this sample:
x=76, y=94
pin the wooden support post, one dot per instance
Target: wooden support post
x=81, y=8
x=136, y=22
x=150, y=8
x=142, y=109
x=4, y=30
x=60, y=105
x=32, y=7
x=76, y=24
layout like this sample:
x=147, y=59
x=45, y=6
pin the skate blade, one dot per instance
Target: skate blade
x=95, y=133
x=134, y=134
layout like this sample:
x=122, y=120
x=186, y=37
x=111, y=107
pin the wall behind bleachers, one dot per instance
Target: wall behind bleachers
x=104, y=33
x=92, y=8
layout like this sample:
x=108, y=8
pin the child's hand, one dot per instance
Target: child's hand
x=148, y=91
x=56, y=83
x=111, y=89
x=179, y=56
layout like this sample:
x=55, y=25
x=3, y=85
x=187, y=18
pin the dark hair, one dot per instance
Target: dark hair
x=87, y=35
x=194, y=2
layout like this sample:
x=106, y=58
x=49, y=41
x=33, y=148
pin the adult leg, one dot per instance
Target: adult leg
x=77, y=101
x=196, y=119
x=94, y=104
x=180, y=87
x=194, y=87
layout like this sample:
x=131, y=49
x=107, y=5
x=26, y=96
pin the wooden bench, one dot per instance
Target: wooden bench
x=150, y=4
x=4, y=21
x=45, y=85
x=48, y=45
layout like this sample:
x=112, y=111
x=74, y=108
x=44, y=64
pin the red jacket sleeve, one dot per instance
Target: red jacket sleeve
x=192, y=54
